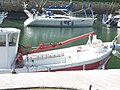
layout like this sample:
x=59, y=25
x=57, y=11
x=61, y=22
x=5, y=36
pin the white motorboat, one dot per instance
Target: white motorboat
x=49, y=18
x=93, y=55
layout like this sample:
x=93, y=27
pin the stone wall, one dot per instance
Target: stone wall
x=16, y=5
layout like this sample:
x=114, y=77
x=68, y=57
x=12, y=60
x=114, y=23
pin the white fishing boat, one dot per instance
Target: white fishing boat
x=93, y=55
x=65, y=17
x=2, y=16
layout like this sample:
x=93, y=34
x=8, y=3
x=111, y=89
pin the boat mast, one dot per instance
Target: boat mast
x=91, y=8
x=70, y=11
x=110, y=8
x=117, y=10
x=83, y=8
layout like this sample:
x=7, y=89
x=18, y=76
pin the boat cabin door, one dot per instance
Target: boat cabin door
x=8, y=48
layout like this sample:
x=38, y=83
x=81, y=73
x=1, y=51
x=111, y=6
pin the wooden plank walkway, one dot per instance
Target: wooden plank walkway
x=99, y=79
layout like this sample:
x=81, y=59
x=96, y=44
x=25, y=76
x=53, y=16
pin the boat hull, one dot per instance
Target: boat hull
x=91, y=66
x=68, y=59
x=75, y=22
x=96, y=64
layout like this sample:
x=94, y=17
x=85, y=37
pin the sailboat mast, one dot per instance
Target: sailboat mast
x=90, y=7
x=83, y=8
x=70, y=11
x=110, y=8
x=70, y=1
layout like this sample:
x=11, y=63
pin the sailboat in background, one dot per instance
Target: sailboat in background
x=67, y=18
x=111, y=19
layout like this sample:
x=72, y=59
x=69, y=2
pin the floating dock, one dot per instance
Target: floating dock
x=79, y=80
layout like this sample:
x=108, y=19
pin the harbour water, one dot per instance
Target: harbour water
x=33, y=36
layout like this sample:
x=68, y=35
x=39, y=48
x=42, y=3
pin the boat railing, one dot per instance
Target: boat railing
x=38, y=60
x=44, y=56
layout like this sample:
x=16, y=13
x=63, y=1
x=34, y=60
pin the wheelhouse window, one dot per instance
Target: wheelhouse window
x=12, y=39
x=2, y=40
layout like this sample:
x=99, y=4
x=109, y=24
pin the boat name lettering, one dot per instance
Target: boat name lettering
x=67, y=22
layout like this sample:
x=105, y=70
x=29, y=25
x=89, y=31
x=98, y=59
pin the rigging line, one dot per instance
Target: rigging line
x=83, y=8
x=65, y=12
x=41, y=2
x=117, y=6
x=80, y=10
x=77, y=11
x=90, y=7
x=113, y=6
x=109, y=8
x=39, y=5
x=45, y=2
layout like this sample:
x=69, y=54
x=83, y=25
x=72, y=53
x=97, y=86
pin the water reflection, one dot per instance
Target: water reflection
x=36, y=35
x=108, y=34
x=105, y=34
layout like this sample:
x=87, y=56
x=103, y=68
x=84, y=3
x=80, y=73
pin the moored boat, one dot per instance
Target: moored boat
x=65, y=17
x=93, y=55
x=111, y=17
x=111, y=20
